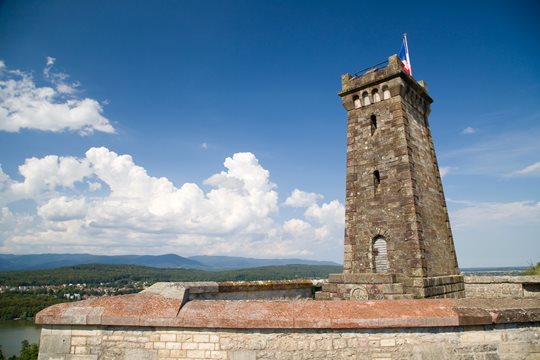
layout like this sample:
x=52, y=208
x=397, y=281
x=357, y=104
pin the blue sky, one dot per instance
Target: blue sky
x=215, y=127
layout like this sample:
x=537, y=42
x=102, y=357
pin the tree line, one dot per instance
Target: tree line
x=99, y=274
x=28, y=352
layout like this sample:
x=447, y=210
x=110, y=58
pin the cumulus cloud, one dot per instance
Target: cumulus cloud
x=48, y=174
x=63, y=209
x=25, y=105
x=14, y=225
x=469, y=130
x=302, y=199
x=298, y=228
x=238, y=215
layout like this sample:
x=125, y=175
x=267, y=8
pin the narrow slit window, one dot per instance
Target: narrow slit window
x=376, y=179
x=373, y=123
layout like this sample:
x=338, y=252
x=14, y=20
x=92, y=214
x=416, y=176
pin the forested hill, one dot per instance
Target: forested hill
x=96, y=274
x=51, y=261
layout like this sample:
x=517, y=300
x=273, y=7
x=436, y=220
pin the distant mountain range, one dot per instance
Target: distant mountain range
x=10, y=262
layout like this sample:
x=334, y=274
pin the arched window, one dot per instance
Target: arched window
x=356, y=100
x=376, y=96
x=386, y=93
x=373, y=121
x=380, y=255
x=376, y=179
x=365, y=98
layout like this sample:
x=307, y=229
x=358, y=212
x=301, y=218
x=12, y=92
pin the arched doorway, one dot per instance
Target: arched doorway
x=380, y=255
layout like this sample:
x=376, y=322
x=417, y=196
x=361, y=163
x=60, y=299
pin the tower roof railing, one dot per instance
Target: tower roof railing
x=371, y=68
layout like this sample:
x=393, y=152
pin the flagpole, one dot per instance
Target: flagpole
x=407, y=51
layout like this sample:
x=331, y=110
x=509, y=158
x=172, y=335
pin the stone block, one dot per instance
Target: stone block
x=195, y=354
x=167, y=337
x=329, y=287
x=242, y=355
x=173, y=346
x=55, y=344
x=206, y=346
x=189, y=346
x=78, y=340
x=388, y=342
x=204, y=338
x=392, y=288
x=368, y=278
x=335, y=278
x=140, y=354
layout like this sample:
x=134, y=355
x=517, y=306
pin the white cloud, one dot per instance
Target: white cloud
x=24, y=105
x=50, y=61
x=329, y=213
x=239, y=215
x=204, y=146
x=469, y=130
x=298, y=228
x=302, y=199
x=47, y=174
x=13, y=225
x=63, y=209
x=533, y=169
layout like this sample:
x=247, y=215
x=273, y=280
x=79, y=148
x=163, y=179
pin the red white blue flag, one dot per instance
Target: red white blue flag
x=404, y=56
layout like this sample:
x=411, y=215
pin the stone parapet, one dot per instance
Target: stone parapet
x=502, y=286
x=235, y=290
x=155, y=310
x=150, y=326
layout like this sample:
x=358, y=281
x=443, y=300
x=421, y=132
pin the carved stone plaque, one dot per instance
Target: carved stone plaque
x=359, y=293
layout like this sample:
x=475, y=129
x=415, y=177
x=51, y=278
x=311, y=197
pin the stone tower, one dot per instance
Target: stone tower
x=398, y=241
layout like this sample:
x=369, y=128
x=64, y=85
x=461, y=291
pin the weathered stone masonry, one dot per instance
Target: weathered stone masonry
x=485, y=342
x=398, y=242
x=151, y=325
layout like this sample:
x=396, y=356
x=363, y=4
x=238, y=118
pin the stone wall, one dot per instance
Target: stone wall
x=160, y=324
x=502, y=286
x=518, y=341
x=238, y=290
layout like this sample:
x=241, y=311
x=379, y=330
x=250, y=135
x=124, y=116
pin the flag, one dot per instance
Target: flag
x=404, y=56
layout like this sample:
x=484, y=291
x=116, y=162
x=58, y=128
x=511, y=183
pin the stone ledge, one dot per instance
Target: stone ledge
x=146, y=309
x=526, y=279
x=235, y=286
x=362, y=278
